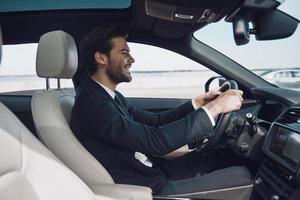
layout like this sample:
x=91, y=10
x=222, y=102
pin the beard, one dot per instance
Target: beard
x=118, y=74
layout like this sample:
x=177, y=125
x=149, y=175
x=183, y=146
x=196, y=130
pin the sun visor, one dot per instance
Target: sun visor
x=188, y=11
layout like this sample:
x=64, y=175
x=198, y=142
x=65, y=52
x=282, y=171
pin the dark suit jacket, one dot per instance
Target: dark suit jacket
x=113, y=133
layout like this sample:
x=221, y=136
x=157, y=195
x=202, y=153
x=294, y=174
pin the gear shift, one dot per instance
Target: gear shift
x=252, y=122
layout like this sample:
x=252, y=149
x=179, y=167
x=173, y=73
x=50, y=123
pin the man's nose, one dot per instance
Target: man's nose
x=131, y=59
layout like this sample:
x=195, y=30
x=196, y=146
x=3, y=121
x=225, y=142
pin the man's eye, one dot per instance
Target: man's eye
x=126, y=54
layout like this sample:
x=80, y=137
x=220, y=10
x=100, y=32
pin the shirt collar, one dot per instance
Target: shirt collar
x=109, y=91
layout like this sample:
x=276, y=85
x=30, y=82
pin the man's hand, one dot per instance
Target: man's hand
x=226, y=102
x=205, y=98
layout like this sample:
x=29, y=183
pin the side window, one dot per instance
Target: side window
x=161, y=73
x=17, y=71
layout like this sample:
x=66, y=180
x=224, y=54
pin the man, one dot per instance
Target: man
x=120, y=135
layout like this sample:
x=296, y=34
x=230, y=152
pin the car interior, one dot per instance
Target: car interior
x=53, y=127
x=42, y=159
x=29, y=170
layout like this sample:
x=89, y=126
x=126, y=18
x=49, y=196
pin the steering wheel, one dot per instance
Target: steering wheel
x=221, y=122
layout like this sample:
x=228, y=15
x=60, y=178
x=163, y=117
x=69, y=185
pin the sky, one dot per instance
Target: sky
x=263, y=54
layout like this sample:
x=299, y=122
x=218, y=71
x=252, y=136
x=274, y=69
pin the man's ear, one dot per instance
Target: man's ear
x=100, y=58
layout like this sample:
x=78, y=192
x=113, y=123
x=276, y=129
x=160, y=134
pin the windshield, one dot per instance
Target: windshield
x=276, y=61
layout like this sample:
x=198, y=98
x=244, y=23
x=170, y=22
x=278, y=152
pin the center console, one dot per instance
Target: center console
x=279, y=175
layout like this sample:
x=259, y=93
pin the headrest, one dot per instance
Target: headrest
x=56, y=55
x=0, y=44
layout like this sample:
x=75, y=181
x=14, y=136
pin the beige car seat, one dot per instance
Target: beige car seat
x=29, y=171
x=51, y=109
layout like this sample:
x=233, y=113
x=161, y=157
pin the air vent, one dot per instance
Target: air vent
x=292, y=115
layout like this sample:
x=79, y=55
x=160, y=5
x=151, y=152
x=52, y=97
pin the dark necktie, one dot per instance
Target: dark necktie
x=141, y=157
x=121, y=105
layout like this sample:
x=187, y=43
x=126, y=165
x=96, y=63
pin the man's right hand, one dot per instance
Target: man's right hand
x=228, y=101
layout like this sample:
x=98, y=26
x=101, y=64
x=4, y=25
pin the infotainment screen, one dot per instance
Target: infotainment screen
x=283, y=145
x=292, y=147
x=287, y=143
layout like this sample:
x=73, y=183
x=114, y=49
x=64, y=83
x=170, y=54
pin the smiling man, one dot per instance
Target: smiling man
x=124, y=138
x=118, y=63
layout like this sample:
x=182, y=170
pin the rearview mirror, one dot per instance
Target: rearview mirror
x=269, y=25
x=241, y=31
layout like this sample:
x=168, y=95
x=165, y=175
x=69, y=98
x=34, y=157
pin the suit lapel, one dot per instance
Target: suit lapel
x=91, y=83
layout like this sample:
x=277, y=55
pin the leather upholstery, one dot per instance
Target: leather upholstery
x=123, y=191
x=30, y=171
x=51, y=111
x=56, y=55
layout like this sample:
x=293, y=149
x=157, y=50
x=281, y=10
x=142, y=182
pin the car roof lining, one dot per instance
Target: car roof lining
x=28, y=26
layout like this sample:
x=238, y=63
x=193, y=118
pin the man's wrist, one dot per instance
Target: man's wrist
x=210, y=116
x=197, y=103
x=213, y=108
x=195, y=106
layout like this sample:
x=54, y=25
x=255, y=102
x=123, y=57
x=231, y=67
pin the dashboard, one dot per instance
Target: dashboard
x=283, y=145
x=270, y=110
x=266, y=133
x=279, y=174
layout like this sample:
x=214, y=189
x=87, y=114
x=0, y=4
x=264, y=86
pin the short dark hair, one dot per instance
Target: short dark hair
x=99, y=39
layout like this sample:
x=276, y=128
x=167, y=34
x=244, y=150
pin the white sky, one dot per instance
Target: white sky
x=279, y=53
